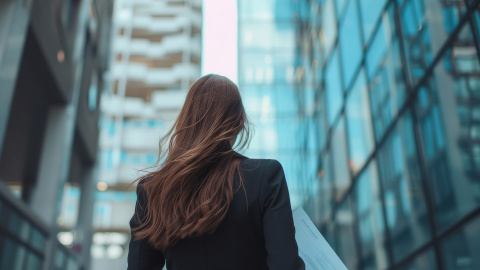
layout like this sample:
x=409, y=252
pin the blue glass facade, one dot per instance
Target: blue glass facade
x=267, y=81
x=373, y=108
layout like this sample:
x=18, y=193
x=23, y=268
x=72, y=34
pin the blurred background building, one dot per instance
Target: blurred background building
x=268, y=76
x=54, y=57
x=371, y=106
x=156, y=56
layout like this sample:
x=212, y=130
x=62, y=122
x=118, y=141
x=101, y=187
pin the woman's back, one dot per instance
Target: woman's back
x=208, y=207
x=256, y=233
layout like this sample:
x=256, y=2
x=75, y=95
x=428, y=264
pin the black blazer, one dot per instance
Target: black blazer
x=261, y=237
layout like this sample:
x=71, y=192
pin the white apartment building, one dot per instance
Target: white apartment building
x=156, y=57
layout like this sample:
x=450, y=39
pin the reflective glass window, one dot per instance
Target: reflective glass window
x=285, y=134
x=267, y=36
x=12, y=256
x=425, y=32
x=344, y=232
x=371, y=10
x=329, y=26
x=284, y=100
x=321, y=121
x=385, y=74
x=18, y=226
x=33, y=262
x=350, y=43
x=326, y=186
x=460, y=250
x=446, y=108
x=341, y=177
x=257, y=69
x=341, y=6
x=333, y=88
x=3, y=212
x=424, y=261
x=406, y=209
x=37, y=239
x=371, y=228
x=283, y=72
x=476, y=16
x=267, y=10
x=359, y=124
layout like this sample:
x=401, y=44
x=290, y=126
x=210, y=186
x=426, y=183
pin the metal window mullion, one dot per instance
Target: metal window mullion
x=417, y=136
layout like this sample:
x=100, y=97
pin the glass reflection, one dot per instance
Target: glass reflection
x=371, y=10
x=371, y=229
x=460, y=250
x=424, y=261
x=359, y=124
x=341, y=177
x=385, y=73
x=266, y=10
x=350, y=43
x=425, y=32
x=333, y=88
x=344, y=232
x=326, y=186
x=446, y=109
x=406, y=210
x=341, y=6
x=329, y=26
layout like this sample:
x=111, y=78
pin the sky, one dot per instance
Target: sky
x=219, y=50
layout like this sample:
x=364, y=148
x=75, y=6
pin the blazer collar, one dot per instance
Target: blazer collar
x=239, y=155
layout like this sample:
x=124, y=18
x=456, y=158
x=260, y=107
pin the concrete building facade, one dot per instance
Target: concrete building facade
x=155, y=58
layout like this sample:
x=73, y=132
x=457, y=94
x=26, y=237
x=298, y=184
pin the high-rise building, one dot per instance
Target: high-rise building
x=398, y=100
x=53, y=67
x=283, y=116
x=156, y=56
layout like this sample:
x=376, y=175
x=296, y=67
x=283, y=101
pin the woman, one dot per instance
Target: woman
x=208, y=207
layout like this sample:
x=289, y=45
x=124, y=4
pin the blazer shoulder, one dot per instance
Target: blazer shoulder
x=261, y=168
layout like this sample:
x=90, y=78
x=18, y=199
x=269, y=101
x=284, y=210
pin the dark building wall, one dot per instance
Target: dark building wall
x=55, y=37
x=50, y=139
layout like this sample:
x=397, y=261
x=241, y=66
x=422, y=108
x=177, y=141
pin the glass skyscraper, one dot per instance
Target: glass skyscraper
x=267, y=81
x=373, y=109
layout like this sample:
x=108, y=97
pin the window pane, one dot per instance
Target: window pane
x=425, y=32
x=333, y=88
x=322, y=120
x=425, y=261
x=329, y=26
x=360, y=134
x=406, y=210
x=345, y=234
x=3, y=213
x=445, y=109
x=371, y=229
x=371, y=10
x=460, y=250
x=339, y=151
x=265, y=10
x=33, y=262
x=350, y=43
x=340, y=6
x=267, y=36
x=384, y=70
x=12, y=256
x=37, y=239
x=326, y=186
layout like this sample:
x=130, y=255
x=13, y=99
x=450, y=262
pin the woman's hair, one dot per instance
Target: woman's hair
x=190, y=193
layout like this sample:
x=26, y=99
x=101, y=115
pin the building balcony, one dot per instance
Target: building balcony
x=169, y=45
x=160, y=20
x=156, y=76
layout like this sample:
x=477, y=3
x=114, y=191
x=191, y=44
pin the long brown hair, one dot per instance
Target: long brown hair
x=190, y=193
